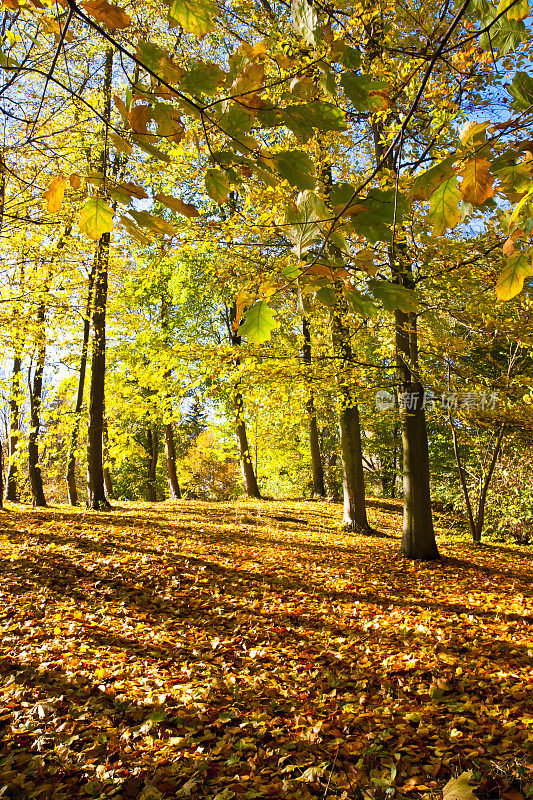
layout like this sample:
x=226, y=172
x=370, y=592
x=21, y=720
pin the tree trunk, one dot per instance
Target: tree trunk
x=480, y=516
x=353, y=481
x=153, y=449
x=71, y=460
x=249, y=478
x=170, y=453
x=36, y=480
x=418, y=540
x=1, y=475
x=316, y=460
x=12, y=490
x=462, y=478
x=108, y=483
x=96, y=496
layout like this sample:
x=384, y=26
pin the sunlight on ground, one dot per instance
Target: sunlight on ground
x=252, y=649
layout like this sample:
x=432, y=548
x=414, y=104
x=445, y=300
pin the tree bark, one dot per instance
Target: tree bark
x=353, y=481
x=418, y=539
x=71, y=460
x=36, y=479
x=153, y=450
x=108, y=483
x=248, y=475
x=170, y=454
x=12, y=489
x=96, y=495
x=462, y=479
x=316, y=460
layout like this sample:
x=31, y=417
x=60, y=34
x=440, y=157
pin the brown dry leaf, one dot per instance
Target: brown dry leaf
x=111, y=16
x=75, y=180
x=187, y=209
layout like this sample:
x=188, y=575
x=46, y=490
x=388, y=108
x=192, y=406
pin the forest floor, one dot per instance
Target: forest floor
x=252, y=649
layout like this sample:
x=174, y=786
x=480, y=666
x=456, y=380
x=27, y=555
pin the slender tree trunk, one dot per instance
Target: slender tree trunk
x=353, y=481
x=316, y=460
x=482, y=504
x=108, y=483
x=153, y=449
x=36, y=480
x=96, y=496
x=170, y=454
x=12, y=489
x=462, y=478
x=249, y=478
x=418, y=540
x=71, y=460
x=1, y=475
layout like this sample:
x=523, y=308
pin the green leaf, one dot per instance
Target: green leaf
x=151, y=150
x=427, y=182
x=521, y=90
x=326, y=296
x=324, y=116
x=258, y=323
x=374, y=215
x=152, y=223
x=202, y=78
x=302, y=218
x=194, y=16
x=393, y=296
x=296, y=167
x=96, y=218
x=511, y=280
x=345, y=55
x=216, y=185
x=444, y=211
x=359, y=89
x=504, y=35
x=361, y=305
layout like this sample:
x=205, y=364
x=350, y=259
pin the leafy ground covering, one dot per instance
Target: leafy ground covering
x=253, y=650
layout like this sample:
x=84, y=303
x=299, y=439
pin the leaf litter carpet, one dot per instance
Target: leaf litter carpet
x=254, y=650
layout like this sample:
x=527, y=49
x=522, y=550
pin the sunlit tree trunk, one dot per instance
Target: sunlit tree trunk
x=71, y=459
x=12, y=489
x=316, y=460
x=170, y=454
x=96, y=495
x=36, y=389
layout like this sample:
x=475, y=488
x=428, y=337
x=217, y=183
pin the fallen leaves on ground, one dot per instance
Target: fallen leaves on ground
x=254, y=650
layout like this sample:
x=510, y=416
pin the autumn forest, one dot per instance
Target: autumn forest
x=266, y=400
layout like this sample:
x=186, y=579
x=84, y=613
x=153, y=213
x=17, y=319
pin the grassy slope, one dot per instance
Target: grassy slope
x=253, y=648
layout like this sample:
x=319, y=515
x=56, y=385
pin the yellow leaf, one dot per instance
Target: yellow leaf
x=55, y=193
x=99, y=673
x=57, y=631
x=511, y=280
x=459, y=788
x=476, y=186
x=111, y=16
